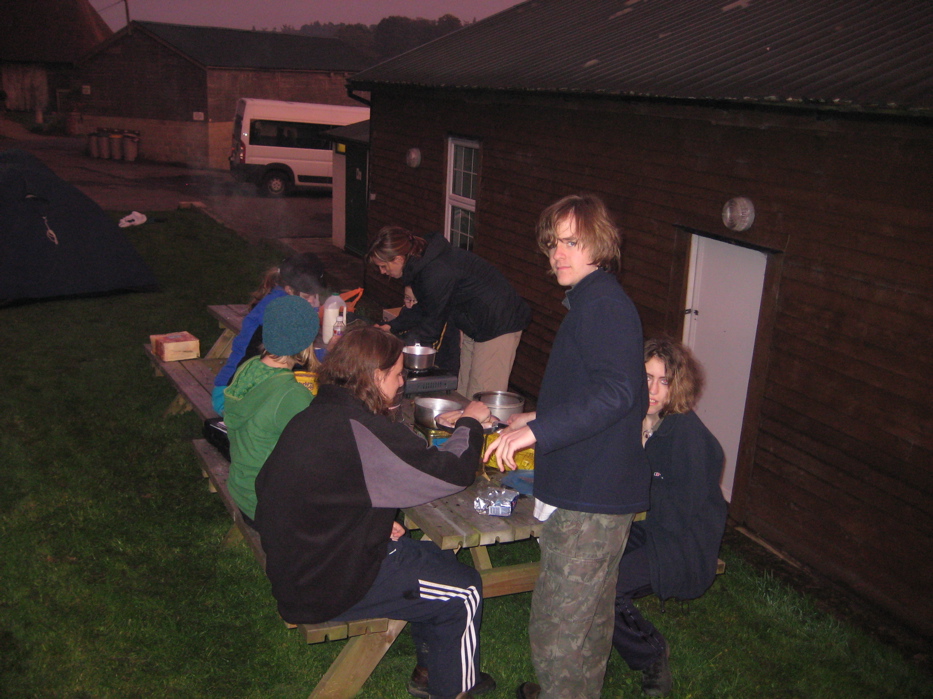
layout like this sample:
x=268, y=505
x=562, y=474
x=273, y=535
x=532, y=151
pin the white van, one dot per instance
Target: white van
x=278, y=145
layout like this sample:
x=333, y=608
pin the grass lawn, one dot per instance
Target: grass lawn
x=113, y=581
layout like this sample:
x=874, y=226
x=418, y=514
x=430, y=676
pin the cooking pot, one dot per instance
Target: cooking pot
x=419, y=357
x=427, y=410
x=502, y=404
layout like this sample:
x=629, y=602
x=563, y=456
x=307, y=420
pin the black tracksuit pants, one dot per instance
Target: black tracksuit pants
x=443, y=600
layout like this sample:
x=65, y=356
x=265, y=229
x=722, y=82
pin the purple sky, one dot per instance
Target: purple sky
x=267, y=14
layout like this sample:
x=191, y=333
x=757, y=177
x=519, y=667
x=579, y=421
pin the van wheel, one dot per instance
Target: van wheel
x=275, y=184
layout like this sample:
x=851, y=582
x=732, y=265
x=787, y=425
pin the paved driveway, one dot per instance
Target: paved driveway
x=120, y=186
x=298, y=223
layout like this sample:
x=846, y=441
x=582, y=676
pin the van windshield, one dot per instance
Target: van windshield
x=288, y=134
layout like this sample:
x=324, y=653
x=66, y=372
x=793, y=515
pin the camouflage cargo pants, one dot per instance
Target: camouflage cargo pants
x=572, y=608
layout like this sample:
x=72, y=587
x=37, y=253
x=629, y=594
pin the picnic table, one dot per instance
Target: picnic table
x=453, y=523
x=194, y=378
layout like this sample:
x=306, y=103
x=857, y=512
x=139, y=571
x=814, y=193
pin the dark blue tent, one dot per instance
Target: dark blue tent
x=55, y=241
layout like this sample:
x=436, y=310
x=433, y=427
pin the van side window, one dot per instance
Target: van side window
x=288, y=134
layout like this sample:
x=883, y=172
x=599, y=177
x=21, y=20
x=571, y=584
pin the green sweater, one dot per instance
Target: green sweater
x=259, y=402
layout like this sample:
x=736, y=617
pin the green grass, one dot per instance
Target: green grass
x=114, y=583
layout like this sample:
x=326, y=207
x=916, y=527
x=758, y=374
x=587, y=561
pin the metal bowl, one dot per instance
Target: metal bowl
x=427, y=410
x=502, y=404
x=419, y=357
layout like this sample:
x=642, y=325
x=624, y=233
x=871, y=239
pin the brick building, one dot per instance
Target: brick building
x=177, y=85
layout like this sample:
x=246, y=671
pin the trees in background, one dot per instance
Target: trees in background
x=392, y=36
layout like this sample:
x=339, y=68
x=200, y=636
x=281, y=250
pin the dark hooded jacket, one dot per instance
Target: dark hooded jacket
x=457, y=285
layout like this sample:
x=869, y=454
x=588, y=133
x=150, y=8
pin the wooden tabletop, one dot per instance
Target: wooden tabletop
x=230, y=316
x=453, y=522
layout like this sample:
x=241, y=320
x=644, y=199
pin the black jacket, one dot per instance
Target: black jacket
x=588, y=455
x=687, y=516
x=455, y=284
x=328, y=494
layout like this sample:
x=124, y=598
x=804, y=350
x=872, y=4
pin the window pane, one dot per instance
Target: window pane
x=461, y=228
x=464, y=174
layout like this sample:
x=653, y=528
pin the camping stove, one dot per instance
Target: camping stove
x=428, y=381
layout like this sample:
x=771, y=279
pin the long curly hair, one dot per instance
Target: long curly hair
x=684, y=374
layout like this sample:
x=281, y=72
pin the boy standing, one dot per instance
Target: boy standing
x=591, y=476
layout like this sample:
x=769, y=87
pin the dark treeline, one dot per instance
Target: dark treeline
x=392, y=36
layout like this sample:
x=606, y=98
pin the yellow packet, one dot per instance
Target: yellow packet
x=308, y=379
x=524, y=459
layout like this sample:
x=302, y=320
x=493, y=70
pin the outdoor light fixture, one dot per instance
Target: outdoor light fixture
x=738, y=214
x=413, y=157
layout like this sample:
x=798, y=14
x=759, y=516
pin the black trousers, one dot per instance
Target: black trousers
x=635, y=638
x=443, y=600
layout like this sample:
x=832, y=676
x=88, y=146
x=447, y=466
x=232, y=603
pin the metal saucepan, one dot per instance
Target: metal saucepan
x=427, y=410
x=502, y=404
x=419, y=357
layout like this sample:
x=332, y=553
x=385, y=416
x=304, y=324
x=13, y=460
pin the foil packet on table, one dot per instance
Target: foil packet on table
x=495, y=501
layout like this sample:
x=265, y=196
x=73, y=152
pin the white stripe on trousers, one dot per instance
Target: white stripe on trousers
x=468, y=641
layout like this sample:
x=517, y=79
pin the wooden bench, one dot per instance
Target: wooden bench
x=368, y=639
x=230, y=318
x=194, y=378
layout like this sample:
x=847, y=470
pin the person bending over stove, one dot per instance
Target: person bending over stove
x=453, y=284
x=327, y=500
x=673, y=552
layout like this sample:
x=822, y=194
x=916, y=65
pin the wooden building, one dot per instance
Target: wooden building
x=177, y=85
x=771, y=166
x=40, y=43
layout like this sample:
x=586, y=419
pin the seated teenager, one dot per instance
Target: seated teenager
x=328, y=496
x=674, y=551
x=264, y=394
x=299, y=275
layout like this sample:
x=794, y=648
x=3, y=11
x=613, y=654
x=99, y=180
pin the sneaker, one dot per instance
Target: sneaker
x=418, y=684
x=528, y=690
x=656, y=679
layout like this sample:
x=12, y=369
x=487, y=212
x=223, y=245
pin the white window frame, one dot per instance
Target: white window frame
x=455, y=200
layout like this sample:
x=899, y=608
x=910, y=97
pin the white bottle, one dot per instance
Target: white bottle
x=340, y=325
x=332, y=310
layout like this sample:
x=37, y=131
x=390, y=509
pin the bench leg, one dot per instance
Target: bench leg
x=356, y=662
x=221, y=347
x=177, y=406
x=233, y=535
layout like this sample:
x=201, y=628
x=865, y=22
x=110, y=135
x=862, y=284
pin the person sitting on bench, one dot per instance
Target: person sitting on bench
x=674, y=551
x=264, y=394
x=327, y=501
x=299, y=275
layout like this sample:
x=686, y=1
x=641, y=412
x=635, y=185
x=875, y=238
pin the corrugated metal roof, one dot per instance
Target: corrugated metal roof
x=861, y=54
x=216, y=47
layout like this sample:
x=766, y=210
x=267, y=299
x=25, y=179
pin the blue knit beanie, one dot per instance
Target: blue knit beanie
x=289, y=326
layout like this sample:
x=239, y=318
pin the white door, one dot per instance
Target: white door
x=723, y=300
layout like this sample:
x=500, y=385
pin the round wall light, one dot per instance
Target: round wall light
x=738, y=214
x=413, y=157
